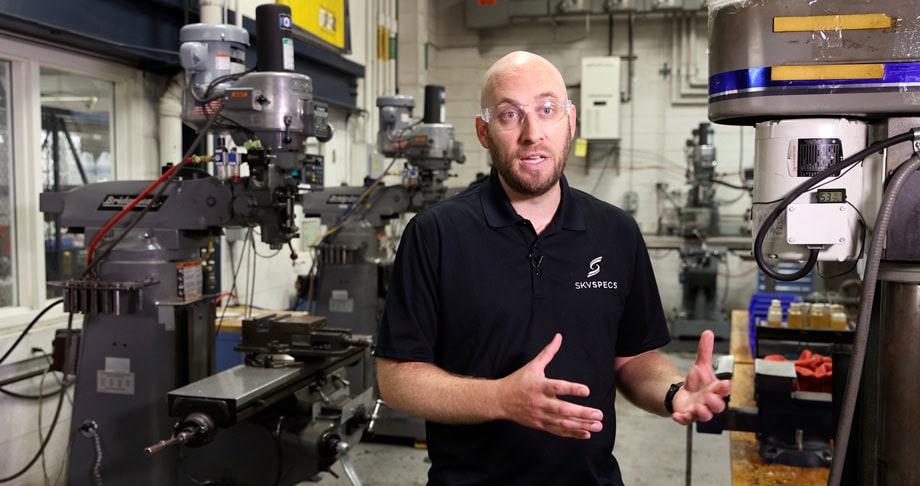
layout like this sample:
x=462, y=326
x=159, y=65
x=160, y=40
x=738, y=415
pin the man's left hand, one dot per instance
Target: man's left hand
x=702, y=395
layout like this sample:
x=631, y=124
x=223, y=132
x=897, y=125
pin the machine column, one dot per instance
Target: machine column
x=899, y=360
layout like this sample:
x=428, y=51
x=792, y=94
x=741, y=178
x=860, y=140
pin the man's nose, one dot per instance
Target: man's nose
x=531, y=130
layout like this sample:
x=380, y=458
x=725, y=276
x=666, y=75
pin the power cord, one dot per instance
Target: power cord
x=57, y=412
x=28, y=328
x=89, y=430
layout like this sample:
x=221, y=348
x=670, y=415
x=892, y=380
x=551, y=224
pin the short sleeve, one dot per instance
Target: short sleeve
x=408, y=329
x=643, y=326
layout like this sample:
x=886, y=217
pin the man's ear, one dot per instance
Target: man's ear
x=482, y=132
x=572, y=122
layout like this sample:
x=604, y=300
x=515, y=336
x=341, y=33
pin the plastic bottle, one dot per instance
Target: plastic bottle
x=66, y=264
x=233, y=165
x=818, y=318
x=805, y=307
x=220, y=166
x=794, y=316
x=838, y=318
x=775, y=314
x=827, y=316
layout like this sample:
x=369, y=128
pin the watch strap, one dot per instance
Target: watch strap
x=669, y=396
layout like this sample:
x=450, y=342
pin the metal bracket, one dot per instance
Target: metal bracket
x=94, y=297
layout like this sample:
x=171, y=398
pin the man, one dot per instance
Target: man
x=518, y=308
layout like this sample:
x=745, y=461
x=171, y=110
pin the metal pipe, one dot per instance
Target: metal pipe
x=692, y=80
x=630, y=60
x=211, y=11
x=688, y=471
x=682, y=90
x=562, y=18
x=861, y=334
x=610, y=35
x=899, y=360
x=170, y=121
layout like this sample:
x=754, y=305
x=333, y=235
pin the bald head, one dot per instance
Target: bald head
x=520, y=65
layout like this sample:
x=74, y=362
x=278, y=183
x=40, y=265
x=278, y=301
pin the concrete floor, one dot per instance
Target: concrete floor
x=651, y=451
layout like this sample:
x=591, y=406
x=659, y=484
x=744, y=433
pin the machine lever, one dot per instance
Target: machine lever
x=180, y=438
x=375, y=415
x=195, y=429
x=342, y=449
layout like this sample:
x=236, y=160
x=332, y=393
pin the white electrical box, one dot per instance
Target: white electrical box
x=599, y=109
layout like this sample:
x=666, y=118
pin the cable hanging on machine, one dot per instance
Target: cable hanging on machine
x=29, y=327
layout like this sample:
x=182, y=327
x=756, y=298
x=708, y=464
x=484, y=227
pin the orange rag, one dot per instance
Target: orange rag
x=813, y=371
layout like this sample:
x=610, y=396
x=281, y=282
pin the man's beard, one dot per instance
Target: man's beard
x=505, y=164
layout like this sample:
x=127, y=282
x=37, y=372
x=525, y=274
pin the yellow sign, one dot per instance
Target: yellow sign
x=324, y=19
x=832, y=22
x=827, y=71
x=581, y=147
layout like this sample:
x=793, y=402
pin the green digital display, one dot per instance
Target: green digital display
x=836, y=196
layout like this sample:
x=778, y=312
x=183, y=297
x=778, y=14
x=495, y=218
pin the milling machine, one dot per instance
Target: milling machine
x=696, y=221
x=348, y=282
x=352, y=268
x=146, y=352
x=832, y=90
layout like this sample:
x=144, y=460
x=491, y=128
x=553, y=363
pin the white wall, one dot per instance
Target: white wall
x=654, y=124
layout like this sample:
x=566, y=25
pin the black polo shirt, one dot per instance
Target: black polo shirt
x=476, y=292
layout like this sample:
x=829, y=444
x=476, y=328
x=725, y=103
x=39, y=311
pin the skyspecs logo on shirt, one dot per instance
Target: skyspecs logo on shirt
x=594, y=268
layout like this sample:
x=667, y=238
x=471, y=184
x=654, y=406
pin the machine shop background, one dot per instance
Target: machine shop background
x=642, y=161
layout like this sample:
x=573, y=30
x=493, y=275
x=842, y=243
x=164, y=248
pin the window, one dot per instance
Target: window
x=7, y=277
x=76, y=149
x=66, y=119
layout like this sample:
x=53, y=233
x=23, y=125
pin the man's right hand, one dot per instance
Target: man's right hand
x=531, y=399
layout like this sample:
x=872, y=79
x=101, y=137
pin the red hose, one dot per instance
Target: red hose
x=129, y=207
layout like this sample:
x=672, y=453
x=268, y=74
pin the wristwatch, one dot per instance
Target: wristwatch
x=669, y=396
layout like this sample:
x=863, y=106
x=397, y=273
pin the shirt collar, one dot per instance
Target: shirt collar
x=499, y=213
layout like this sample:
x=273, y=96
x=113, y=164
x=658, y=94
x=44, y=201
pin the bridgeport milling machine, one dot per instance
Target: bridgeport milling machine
x=696, y=221
x=833, y=90
x=146, y=353
x=352, y=271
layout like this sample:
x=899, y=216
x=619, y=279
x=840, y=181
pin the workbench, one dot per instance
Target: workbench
x=748, y=469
